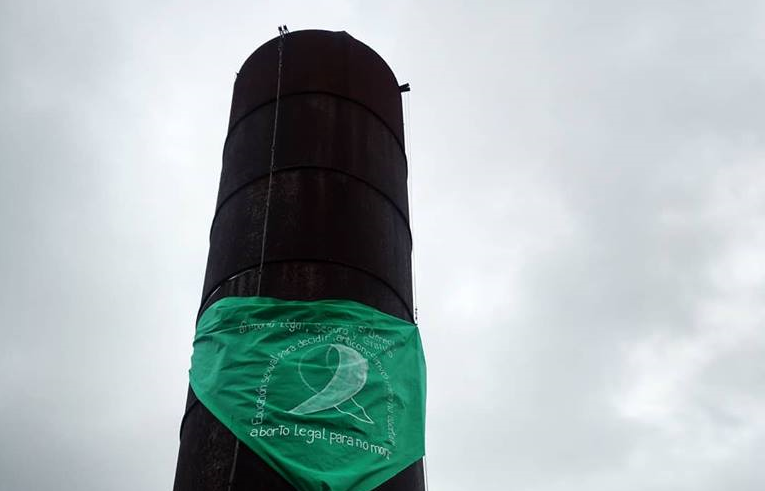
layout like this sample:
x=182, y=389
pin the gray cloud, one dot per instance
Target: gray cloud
x=589, y=228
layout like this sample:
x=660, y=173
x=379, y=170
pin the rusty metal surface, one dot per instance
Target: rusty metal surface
x=315, y=214
x=333, y=133
x=318, y=61
x=338, y=220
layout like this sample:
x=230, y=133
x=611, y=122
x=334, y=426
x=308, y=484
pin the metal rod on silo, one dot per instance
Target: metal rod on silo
x=338, y=223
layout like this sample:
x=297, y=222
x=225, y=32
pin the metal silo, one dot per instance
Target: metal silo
x=337, y=216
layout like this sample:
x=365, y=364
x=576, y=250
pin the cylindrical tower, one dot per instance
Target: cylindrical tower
x=338, y=217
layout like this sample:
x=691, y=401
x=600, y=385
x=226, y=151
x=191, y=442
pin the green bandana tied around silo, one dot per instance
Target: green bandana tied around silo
x=331, y=394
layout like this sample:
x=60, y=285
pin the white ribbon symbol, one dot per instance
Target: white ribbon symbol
x=349, y=378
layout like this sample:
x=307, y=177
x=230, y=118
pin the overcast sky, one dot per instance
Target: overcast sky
x=589, y=212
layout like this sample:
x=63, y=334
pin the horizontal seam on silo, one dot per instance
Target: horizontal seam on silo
x=313, y=167
x=220, y=284
x=282, y=97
